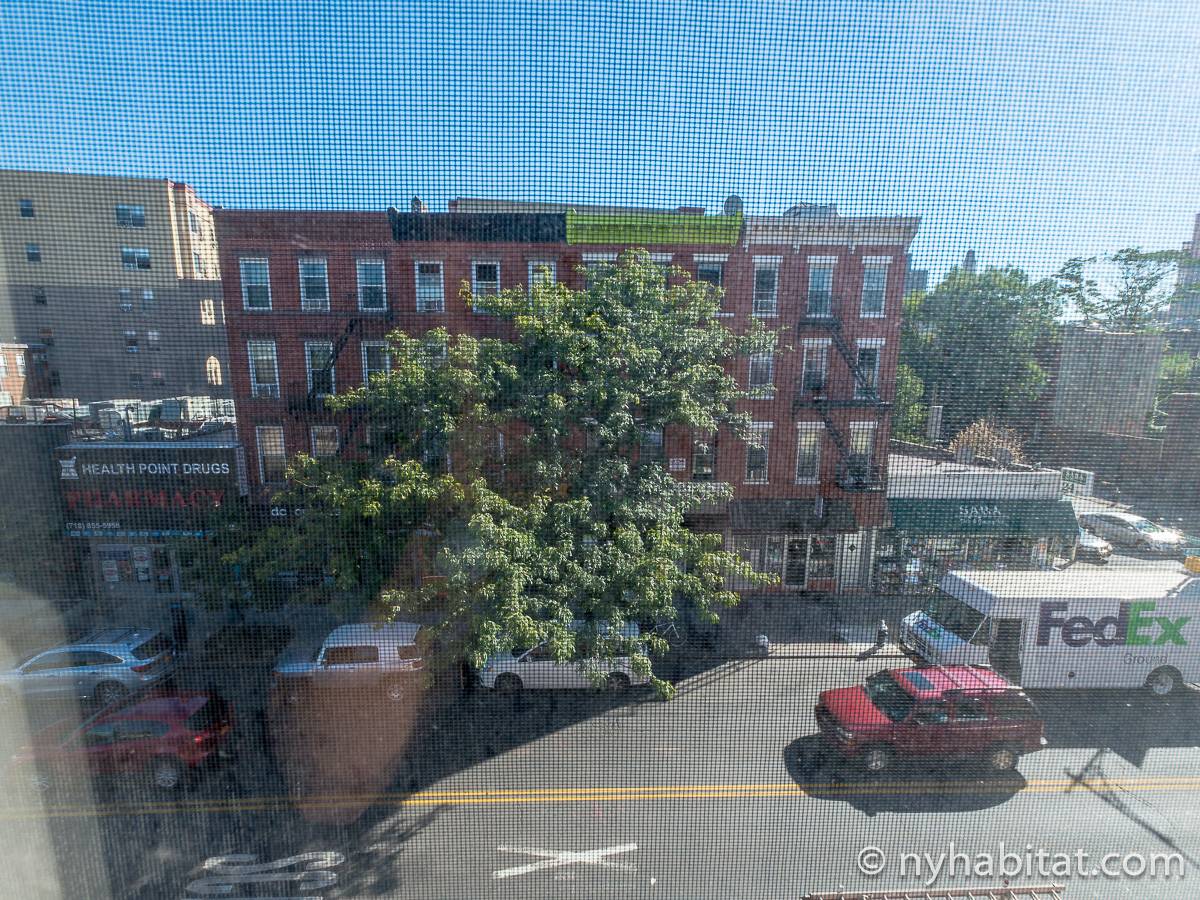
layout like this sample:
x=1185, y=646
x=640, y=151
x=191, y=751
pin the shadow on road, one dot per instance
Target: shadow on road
x=1129, y=723
x=908, y=787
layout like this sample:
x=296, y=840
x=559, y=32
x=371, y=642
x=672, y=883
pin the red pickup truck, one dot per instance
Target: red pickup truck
x=936, y=711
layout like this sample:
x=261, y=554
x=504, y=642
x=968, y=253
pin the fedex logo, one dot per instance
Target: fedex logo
x=1133, y=625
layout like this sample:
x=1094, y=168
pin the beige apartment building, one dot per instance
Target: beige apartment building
x=114, y=285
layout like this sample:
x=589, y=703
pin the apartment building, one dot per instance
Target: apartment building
x=310, y=296
x=16, y=383
x=113, y=283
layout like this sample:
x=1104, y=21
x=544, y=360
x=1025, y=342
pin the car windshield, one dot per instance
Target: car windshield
x=1147, y=527
x=959, y=618
x=889, y=697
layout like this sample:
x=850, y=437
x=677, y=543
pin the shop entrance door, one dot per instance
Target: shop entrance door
x=795, y=569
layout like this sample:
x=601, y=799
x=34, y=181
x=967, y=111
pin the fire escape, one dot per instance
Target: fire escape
x=856, y=471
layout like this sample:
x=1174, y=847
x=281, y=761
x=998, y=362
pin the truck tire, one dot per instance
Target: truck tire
x=876, y=759
x=1164, y=682
x=1002, y=758
x=508, y=683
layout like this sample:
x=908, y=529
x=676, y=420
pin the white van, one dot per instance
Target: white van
x=1085, y=629
x=537, y=668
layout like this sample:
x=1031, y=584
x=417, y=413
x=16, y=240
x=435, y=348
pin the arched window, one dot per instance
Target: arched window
x=212, y=368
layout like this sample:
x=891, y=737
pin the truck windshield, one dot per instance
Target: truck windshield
x=889, y=698
x=957, y=617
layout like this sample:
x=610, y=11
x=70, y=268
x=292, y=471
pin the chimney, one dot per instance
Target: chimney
x=417, y=205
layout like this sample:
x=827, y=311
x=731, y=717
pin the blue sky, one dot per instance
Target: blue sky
x=1029, y=131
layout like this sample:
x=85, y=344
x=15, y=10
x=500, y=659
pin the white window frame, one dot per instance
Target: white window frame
x=874, y=264
x=308, y=366
x=804, y=429
x=213, y=365
x=312, y=440
x=132, y=222
x=861, y=428
x=358, y=269
x=258, y=445
x=19, y=356
x=125, y=299
x=387, y=358
x=3, y=364
x=193, y=222
x=256, y=386
x=33, y=253
x=816, y=348
x=765, y=428
x=307, y=303
x=440, y=306
x=875, y=344
x=820, y=264
x=536, y=277
x=153, y=339
x=761, y=391
x=208, y=311
x=762, y=263
x=242, y=261
x=475, y=263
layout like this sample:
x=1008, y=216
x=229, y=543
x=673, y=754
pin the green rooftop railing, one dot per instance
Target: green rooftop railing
x=651, y=228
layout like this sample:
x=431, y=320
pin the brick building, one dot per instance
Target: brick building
x=309, y=297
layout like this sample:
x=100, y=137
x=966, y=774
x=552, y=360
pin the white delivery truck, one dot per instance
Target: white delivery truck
x=1086, y=629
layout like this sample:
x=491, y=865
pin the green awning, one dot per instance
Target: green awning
x=1013, y=518
x=645, y=229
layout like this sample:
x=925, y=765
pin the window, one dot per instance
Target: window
x=318, y=359
x=874, y=285
x=866, y=376
x=157, y=377
x=152, y=340
x=766, y=285
x=135, y=258
x=26, y=209
x=264, y=371
x=542, y=271
x=324, y=440
x=762, y=375
x=20, y=358
x=212, y=371
x=808, y=452
x=147, y=301
x=436, y=352
x=862, y=445
x=349, y=656
x=758, y=453
x=135, y=379
x=193, y=222
x=39, y=296
x=704, y=458
x=197, y=265
x=125, y=299
x=485, y=282
x=272, y=460
x=651, y=450
x=50, y=661
x=3, y=364
x=372, y=291
x=430, y=295
x=816, y=366
x=314, y=284
x=256, y=284
x=208, y=312
x=131, y=216
x=33, y=253
x=435, y=452
x=970, y=709
x=820, y=288
x=375, y=359
x=131, y=342
x=711, y=273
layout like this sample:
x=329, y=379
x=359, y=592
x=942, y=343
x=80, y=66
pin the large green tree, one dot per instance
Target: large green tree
x=975, y=342
x=570, y=515
x=1140, y=286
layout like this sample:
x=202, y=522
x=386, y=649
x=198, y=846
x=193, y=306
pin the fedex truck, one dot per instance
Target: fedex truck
x=1086, y=629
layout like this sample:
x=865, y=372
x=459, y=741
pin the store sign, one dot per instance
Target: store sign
x=152, y=491
x=982, y=515
x=1078, y=482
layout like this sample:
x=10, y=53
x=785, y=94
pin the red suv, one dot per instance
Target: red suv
x=165, y=737
x=931, y=711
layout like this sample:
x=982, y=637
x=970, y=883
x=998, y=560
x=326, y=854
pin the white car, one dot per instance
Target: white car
x=1124, y=529
x=536, y=668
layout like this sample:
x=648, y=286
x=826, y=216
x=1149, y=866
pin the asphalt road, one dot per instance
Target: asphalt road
x=722, y=792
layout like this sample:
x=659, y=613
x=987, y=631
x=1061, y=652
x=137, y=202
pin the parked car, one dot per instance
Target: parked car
x=1092, y=548
x=104, y=666
x=1124, y=529
x=165, y=737
x=537, y=668
x=388, y=657
x=938, y=711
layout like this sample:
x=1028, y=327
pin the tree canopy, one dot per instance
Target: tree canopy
x=525, y=472
x=1140, y=287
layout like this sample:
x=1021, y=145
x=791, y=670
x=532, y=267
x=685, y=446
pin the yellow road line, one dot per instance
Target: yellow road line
x=599, y=794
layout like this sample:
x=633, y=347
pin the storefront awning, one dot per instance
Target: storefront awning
x=791, y=515
x=1013, y=518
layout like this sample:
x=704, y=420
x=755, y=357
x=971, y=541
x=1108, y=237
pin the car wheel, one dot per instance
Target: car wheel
x=876, y=759
x=166, y=774
x=109, y=693
x=617, y=682
x=508, y=683
x=395, y=691
x=1002, y=759
x=1164, y=682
